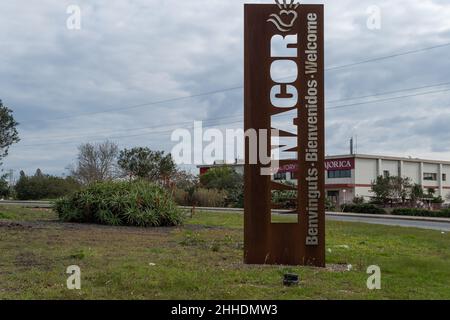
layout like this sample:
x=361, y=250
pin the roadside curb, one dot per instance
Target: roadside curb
x=27, y=204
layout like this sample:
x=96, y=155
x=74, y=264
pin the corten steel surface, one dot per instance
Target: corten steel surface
x=266, y=242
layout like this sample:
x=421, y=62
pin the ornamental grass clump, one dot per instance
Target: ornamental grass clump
x=137, y=203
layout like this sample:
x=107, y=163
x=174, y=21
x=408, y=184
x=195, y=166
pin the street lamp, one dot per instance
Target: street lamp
x=344, y=191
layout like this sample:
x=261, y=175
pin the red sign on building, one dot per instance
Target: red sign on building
x=340, y=164
x=330, y=165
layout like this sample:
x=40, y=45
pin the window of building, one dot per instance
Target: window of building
x=339, y=174
x=386, y=173
x=279, y=176
x=444, y=177
x=430, y=176
x=333, y=196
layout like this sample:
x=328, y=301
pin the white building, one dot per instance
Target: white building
x=349, y=176
x=354, y=176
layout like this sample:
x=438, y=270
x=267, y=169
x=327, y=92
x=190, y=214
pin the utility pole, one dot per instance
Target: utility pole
x=11, y=177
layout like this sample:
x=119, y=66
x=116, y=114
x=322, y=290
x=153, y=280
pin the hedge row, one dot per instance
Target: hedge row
x=373, y=209
x=421, y=213
x=363, y=208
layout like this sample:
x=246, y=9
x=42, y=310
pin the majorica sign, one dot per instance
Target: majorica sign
x=285, y=38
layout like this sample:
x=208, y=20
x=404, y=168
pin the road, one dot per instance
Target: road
x=441, y=226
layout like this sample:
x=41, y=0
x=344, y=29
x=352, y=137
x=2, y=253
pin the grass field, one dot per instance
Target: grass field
x=203, y=260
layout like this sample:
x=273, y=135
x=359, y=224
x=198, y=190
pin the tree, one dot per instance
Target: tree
x=183, y=186
x=399, y=188
x=38, y=173
x=4, y=187
x=381, y=189
x=96, y=162
x=431, y=192
x=8, y=130
x=144, y=163
x=391, y=188
x=42, y=186
x=221, y=178
x=225, y=178
x=416, y=193
x=184, y=180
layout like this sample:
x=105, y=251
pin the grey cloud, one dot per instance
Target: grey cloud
x=130, y=53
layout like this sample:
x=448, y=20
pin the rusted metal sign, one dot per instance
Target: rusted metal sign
x=284, y=37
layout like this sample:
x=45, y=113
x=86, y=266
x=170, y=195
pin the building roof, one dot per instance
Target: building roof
x=236, y=163
x=241, y=162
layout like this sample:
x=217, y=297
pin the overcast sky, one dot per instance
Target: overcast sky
x=60, y=82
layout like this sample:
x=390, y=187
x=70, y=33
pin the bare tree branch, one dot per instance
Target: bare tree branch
x=96, y=162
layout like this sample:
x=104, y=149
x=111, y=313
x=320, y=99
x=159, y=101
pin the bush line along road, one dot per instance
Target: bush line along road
x=442, y=224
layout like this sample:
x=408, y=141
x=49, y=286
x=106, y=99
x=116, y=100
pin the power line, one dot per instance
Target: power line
x=387, y=99
x=389, y=92
x=388, y=57
x=147, y=104
x=136, y=129
x=230, y=122
x=228, y=117
x=240, y=86
x=127, y=136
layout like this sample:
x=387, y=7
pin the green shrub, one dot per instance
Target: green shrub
x=209, y=197
x=285, y=199
x=437, y=200
x=363, y=208
x=358, y=200
x=410, y=212
x=376, y=202
x=329, y=205
x=137, y=203
x=235, y=197
x=445, y=213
